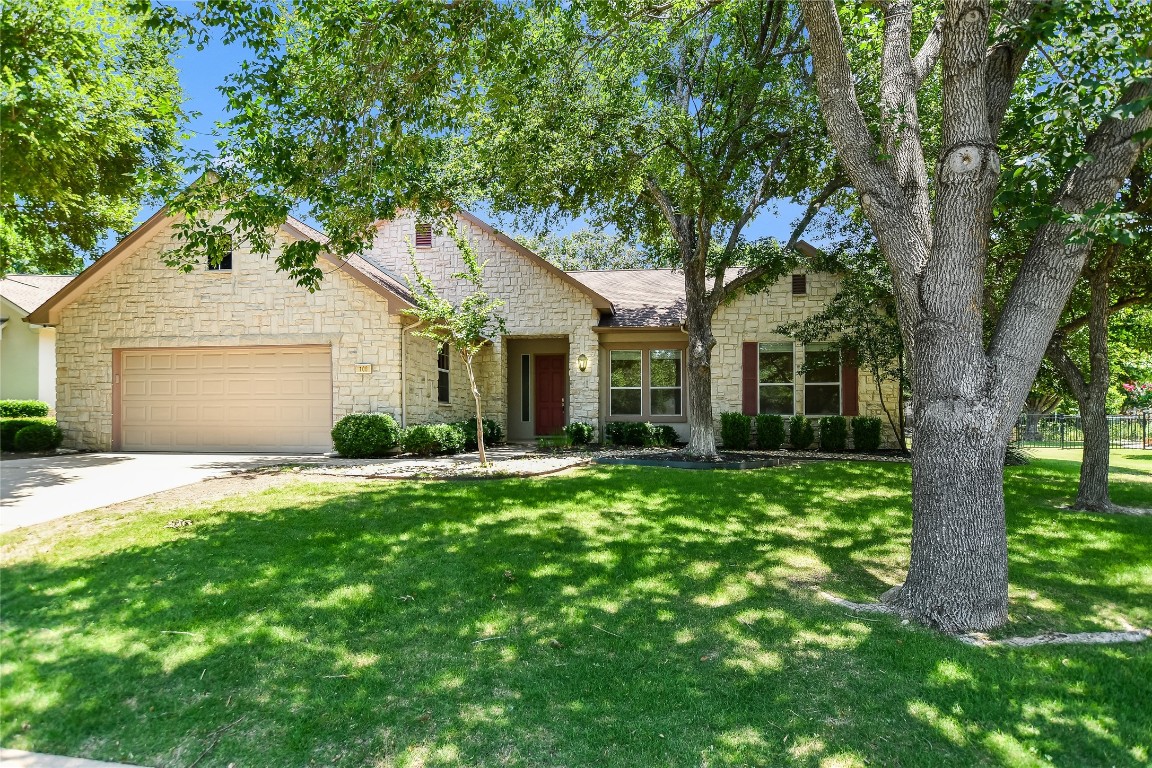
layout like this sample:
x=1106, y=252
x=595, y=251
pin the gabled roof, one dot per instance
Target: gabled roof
x=643, y=298
x=28, y=292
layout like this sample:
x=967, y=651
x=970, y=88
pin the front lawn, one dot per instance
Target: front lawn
x=609, y=617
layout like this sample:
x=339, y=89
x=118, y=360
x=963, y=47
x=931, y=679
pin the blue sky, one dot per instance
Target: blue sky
x=202, y=72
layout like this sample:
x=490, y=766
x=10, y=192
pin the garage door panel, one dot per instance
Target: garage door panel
x=243, y=399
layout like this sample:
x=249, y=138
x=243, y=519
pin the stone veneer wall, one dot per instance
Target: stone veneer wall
x=538, y=304
x=142, y=303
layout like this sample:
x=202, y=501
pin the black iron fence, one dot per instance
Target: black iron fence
x=1036, y=431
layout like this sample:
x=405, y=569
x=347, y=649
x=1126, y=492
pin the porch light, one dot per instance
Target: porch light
x=582, y=363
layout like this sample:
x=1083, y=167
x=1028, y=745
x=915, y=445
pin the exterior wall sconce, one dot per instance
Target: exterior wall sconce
x=582, y=363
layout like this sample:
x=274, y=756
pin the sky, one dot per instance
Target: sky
x=202, y=72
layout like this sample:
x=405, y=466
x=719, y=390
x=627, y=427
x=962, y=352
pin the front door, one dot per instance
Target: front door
x=550, y=386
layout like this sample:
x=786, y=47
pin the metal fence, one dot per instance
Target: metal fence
x=1035, y=431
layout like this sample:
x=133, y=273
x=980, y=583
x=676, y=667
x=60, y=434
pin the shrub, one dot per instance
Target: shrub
x=666, y=435
x=364, y=435
x=430, y=439
x=38, y=437
x=12, y=409
x=9, y=428
x=735, y=431
x=493, y=433
x=866, y=433
x=1016, y=456
x=580, y=433
x=639, y=433
x=554, y=442
x=770, y=431
x=800, y=432
x=833, y=433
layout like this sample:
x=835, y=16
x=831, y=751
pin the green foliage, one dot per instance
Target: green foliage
x=365, y=435
x=833, y=433
x=640, y=434
x=9, y=428
x=1016, y=456
x=770, y=431
x=493, y=433
x=431, y=439
x=90, y=110
x=13, y=408
x=735, y=431
x=800, y=432
x=590, y=249
x=580, y=433
x=866, y=433
x=554, y=442
x=38, y=437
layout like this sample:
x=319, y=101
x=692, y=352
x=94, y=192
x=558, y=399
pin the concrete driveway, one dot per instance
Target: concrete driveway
x=47, y=487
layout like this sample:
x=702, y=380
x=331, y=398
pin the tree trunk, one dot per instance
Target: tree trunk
x=1092, y=493
x=479, y=412
x=699, y=309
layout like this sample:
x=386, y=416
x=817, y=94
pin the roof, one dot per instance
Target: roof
x=28, y=292
x=643, y=298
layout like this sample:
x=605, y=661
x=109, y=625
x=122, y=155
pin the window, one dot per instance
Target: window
x=665, y=382
x=821, y=381
x=626, y=382
x=220, y=253
x=777, y=375
x=525, y=387
x=442, y=374
x=423, y=235
x=799, y=285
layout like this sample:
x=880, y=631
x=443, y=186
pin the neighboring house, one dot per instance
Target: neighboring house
x=240, y=358
x=27, y=351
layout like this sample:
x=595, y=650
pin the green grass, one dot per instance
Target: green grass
x=644, y=617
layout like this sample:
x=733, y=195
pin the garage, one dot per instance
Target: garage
x=223, y=399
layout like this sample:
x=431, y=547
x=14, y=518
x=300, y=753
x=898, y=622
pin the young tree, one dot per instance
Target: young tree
x=465, y=326
x=90, y=112
x=933, y=230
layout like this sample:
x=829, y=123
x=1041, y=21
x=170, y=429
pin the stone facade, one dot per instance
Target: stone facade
x=140, y=302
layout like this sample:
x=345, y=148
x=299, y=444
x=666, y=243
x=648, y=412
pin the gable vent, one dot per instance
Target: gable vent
x=799, y=285
x=423, y=235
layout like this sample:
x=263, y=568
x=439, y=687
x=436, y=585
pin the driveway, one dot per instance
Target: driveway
x=47, y=487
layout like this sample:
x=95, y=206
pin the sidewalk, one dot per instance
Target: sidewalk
x=16, y=758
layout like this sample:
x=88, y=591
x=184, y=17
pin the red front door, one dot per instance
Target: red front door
x=550, y=386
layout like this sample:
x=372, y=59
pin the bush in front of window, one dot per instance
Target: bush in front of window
x=580, y=433
x=9, y=428
x=800, y=432
x=735, y=431
x=640, y=434
x=866, y=433
x=365, y=435
x=493, y=433
x=770, y=431
x=833, y=433
x=38, y=437
x=431, y=439
x=14, y=409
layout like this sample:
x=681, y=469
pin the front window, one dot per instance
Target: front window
x=821, y=381
x=442, y=374
x=665, y=381
x=777, y=379
x=626, y=380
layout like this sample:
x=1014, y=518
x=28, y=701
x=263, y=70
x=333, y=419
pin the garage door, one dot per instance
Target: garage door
x=225, y=399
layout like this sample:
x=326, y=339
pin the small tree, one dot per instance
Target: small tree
x=466, y=326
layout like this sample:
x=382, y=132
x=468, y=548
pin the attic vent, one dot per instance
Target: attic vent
x=423, y=235
x=799, y=285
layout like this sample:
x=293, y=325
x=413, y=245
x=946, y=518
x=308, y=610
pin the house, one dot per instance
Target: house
x=27, y=351
x=238, y=358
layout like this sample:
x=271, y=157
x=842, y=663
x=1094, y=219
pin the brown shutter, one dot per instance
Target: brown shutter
x=850, y=384
x=751, y=373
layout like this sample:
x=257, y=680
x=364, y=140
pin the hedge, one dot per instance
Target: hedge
x=9, y=428
x=640, y=434
x=38, y=437
x=580, y=433
x=770, y=431
x=800, y=432
x=431, y=439
x=365, y=435
x=833, y=433
x=493, y=433
x=13, y=409
x=866, y=433
x=735, y=431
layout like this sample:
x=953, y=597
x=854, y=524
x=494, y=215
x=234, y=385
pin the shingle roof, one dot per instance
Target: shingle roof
x=643, y=298
x=30, y=291
x=365, y=265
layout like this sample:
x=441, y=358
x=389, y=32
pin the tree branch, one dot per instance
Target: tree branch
x=1006, y=57
x=925, y=60
x=1131, y=301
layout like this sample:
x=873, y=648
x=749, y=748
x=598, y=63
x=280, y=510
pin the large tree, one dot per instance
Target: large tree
x=933, y=228
x=90, y=109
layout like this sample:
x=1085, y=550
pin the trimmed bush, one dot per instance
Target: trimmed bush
x=833, y=433
x=580, y=433
x=38, y=437
x=770, y=431
x=866, y=433
x=431, y=439
x=493, y=433
x=640, y=434
x=800, y=432
x=13, y=409
x=364, y=435
x=9, y=428
x=735, y=431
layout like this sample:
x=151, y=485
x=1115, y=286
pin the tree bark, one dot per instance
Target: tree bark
x=479, y=411
x=699, y=308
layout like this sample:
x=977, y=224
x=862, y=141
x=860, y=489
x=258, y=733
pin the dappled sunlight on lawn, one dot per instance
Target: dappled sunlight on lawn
x=613, y=616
